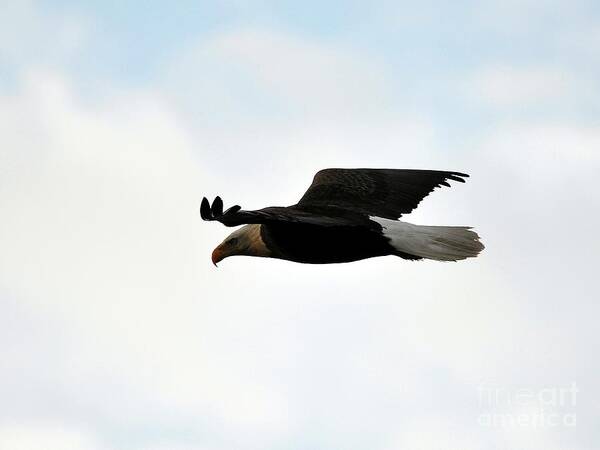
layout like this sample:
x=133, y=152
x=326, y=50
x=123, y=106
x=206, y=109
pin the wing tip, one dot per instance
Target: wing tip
x=457, y=176
x=216, y=208
x=215, y=211
x=205, y=209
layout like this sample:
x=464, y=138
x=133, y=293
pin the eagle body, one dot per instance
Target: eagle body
x=322, y=245
x=347, y=215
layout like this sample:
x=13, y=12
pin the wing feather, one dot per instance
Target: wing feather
x=385, y=193
x=235, y=216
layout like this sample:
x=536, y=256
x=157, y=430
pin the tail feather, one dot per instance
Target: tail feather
x=431, y=242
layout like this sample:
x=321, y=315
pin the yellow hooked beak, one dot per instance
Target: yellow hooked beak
x=218, y=255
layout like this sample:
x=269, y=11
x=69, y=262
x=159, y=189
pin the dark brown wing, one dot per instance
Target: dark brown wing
x=235, y=216
x=385, y=193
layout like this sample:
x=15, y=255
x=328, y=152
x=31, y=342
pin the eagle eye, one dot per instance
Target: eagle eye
x=232, y=241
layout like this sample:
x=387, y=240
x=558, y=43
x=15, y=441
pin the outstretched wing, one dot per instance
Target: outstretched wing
x=235, y=215
x=385, y=193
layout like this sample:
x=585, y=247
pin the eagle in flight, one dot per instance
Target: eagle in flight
x=347, y=215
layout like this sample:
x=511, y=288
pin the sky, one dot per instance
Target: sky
x=116, y=331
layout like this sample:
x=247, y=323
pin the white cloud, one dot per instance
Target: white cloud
x=278, y=72
x=548, y=151
x=102, y=214
x=51, y=436
x=306, y=73
x=504, y=86
x=436, y=434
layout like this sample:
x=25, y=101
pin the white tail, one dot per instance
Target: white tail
x=431, y=242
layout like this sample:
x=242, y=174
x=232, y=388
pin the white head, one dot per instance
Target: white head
x=243, y=241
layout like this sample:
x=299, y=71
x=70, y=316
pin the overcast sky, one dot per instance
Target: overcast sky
x=117, y=333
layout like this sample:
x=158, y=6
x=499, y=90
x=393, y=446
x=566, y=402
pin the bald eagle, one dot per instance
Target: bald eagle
x=346, y=215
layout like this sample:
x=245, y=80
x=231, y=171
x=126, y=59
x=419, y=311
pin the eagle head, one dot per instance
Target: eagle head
x=243, y=241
